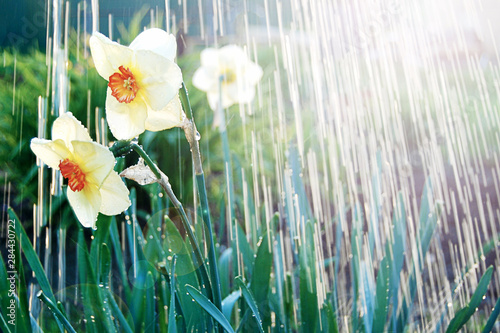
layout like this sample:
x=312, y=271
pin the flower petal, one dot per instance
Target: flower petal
x=68, y=128
x=50, y=152
x=159, y=79
x=108, y=55
x=114, y=195
x=168, y=117
x=126, y=120
x=232, y=56
x=86, y=204
x=253, y=73
x=209, y=57
x=242, y=92
x=213, y=100
x=158, y=41
x=206, y=79
x=94, y=160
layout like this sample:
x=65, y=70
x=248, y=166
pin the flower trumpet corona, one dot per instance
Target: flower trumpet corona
x=143, y=82
x=229, y=68
x=93, y=185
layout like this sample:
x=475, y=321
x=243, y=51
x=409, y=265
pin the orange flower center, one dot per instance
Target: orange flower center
x=72, y=172
x=123, y=85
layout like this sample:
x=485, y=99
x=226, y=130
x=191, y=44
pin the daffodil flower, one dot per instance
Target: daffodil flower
x=93, y=185
x=143, y=83
x=239, y=76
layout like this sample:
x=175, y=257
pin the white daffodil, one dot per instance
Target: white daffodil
x=143, y=83
x=93, y=184
x=239, y=76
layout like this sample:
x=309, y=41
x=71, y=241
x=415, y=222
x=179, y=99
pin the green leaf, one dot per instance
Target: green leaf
x=464, y=314
x=104, y=265
x=96, y=310
x=172, y=326
x=330, y=318
x=149, y=318
x=117, y=313
x=23, y=321
x=174, y=244
x=87, y=279
x=247, y=295
x=58, y=314
x=390, y=268
x=244, y=249
x=3, y=324
x=356, y=246
x=228, y=303
x=493, y=318
x=115, y=242
x=225, y=270
x=209, y=307
x=307, y=284
x=32, y=258
x=260, y=283
x=428, y=223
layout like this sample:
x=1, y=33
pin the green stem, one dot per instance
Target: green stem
x=192, y=137
x=227, y=154
x=164, y=183
x=138, y=149
x=162, y=179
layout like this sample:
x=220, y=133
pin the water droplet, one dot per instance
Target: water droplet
x=197, y=136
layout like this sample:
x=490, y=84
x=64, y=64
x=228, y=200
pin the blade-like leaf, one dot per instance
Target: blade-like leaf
x=492, y=319
x=228, y=303
x=464, y=314
x=56, y=312
x=209, y=307
x=32, y=258
x=172, y=326
x=247, y=295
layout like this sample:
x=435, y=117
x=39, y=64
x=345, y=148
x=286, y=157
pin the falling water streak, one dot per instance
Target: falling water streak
x=110, y=26
x=152, y=20
x=14, y=86
x=85, y=51
x=167, y=16
x=95, y=15
x=89, y=102
x=184, y=16
x=78, y=23
x=200, y=17
x=97, y=117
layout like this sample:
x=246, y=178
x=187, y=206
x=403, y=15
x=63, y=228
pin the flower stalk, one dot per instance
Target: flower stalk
x=192, y=137
x=138, y=149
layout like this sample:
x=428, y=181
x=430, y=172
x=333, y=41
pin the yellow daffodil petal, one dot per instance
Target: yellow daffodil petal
x=68, y=128
x=170, y=116
x=126, y=120
x=50, y=152
x=108, y=55
x=160, y=78
x=158, y=41
x=114, y=195
x=86, y=204
x=95, y=161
